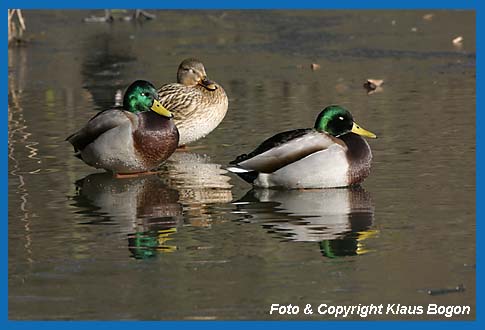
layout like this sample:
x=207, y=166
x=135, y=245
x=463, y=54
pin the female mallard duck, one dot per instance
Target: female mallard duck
x=326, y=156
x=131, y=138
x=198, y=104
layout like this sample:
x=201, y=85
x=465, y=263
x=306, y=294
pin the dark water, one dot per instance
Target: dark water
x=197, y=243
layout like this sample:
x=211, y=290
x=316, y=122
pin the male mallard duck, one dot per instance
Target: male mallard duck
x=131, y=138
x=326, y=156
x=198, y=104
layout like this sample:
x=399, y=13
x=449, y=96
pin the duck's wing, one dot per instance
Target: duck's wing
x=98, y=125
x=180, y=100
x=283, y=149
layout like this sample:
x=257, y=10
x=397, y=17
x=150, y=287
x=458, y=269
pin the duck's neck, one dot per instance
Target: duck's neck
x=359, y=157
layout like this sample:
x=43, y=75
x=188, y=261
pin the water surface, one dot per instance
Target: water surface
x=198, y=243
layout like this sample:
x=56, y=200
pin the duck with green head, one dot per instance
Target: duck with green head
x=136, y=137
x=331, y=154
x=197, y=103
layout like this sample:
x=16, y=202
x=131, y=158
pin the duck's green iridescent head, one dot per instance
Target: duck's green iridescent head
x=338, y=121
x=142, y=96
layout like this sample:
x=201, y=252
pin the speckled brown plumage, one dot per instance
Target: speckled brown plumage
x=198, y=104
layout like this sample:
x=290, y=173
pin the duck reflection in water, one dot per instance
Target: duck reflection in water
x=200, y=183
x=153, y=208
x=145, y=207
x=338, y=219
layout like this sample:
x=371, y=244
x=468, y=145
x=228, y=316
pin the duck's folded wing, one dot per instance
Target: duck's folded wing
x=99, y=124
x=283, y=149
x=179, y=99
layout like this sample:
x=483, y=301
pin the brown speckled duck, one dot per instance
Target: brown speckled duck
x=198, y=104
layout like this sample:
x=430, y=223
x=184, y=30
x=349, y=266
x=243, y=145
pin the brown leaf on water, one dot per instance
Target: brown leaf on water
x=373, y=85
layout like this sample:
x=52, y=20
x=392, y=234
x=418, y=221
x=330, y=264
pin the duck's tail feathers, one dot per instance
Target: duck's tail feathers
x=247, y=175
x=237, y=170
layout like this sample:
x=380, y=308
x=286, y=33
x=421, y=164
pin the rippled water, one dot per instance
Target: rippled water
x=197, y=243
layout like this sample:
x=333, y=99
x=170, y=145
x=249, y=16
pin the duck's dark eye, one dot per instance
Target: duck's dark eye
x=341, y=118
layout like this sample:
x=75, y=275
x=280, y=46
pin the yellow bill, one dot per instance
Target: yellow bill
x=359, y=130
x=160, y=109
